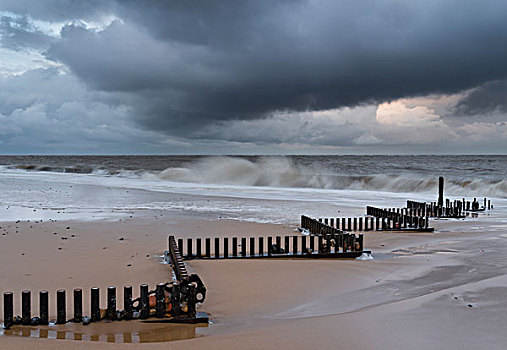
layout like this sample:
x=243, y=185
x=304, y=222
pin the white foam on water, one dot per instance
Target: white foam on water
x=365, y=256
x=259, y=199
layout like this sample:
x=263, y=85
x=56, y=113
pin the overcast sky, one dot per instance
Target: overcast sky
x=253, y=77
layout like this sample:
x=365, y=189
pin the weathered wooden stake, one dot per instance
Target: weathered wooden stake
x=175, y=299
x=226, y=247
x=111, y=303
x=243, y=246
x=261, y=246
x=127, y=302
x=198, y=248
x=270, y=245
x=234, y=246
x=78, y=305
x=94, y=304
x=144, y=302
x=252, y=246
x=189, y=248
x=441, y=191
x=217, y=248
x=287, y=249
x=43, y=307
x=191, y=302
x=61, y=309
x=8, y=309
x=295, y=245
x=303, y=244
x=208, y=247
x=26, y=307
x=160, y=297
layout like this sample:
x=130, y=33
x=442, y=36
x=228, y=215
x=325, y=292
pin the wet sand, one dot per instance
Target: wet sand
x=441, y=290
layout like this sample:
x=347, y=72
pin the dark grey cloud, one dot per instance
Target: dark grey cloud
x=184, y=65
x=490, y=98
x=192, y=62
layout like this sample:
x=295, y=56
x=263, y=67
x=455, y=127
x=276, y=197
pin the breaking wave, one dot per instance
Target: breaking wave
x=282, y=172
x=303, y=173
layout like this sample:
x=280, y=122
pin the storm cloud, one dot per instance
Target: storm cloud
x=193, y=62
x=263, y=71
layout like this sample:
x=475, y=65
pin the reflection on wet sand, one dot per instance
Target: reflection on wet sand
x=141, y=335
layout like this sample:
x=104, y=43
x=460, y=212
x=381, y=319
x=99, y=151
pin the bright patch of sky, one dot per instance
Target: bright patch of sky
x=15, y=62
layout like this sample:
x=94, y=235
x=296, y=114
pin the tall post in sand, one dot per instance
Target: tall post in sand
x=441, y=191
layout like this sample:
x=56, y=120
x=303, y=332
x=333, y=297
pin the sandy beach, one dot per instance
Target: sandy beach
x=442, y=289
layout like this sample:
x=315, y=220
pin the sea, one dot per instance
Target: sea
x=251, y=188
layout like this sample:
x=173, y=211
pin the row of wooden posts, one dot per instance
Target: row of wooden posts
x=449, y=208
x=141, y=311
x=322, y=227
x=176, y=299
x=255, y=247
x=397, y=218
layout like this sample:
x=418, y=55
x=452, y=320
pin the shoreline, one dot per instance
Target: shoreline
x=265, y=303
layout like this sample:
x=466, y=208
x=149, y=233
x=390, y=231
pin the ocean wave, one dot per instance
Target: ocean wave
x=284, y=172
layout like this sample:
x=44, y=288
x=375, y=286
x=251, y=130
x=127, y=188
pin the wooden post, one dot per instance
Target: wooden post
x=61, y=311
x=226, y=247
x=26, y=307
x=235, y=246
x=160, y=300
x=489, y=204
x=270, y=245
x=8, y=309
x=441, y=191
x=127, y=302
x=278, y=244
x=198, y=245
x=303, y=244
x=217, y=247
x=261, y=246
x=320, y=244
x=175, y=299
x=208, y=247
x=252, y=246
x=111, y=303
x=78, y=305
x=286, y=245
x=189, y=248
x=295, y=245
x=144, y=302
x=355, y=224
x=94, y=304
x=360, y=224
x=349, y=224
x=43, y=307
x=191, y=302
x=312, y=243
x=243, y=246
x=343, y=224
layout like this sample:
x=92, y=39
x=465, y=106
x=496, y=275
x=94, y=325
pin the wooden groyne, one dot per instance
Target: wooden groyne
x=327, y=245
x=174, y=301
